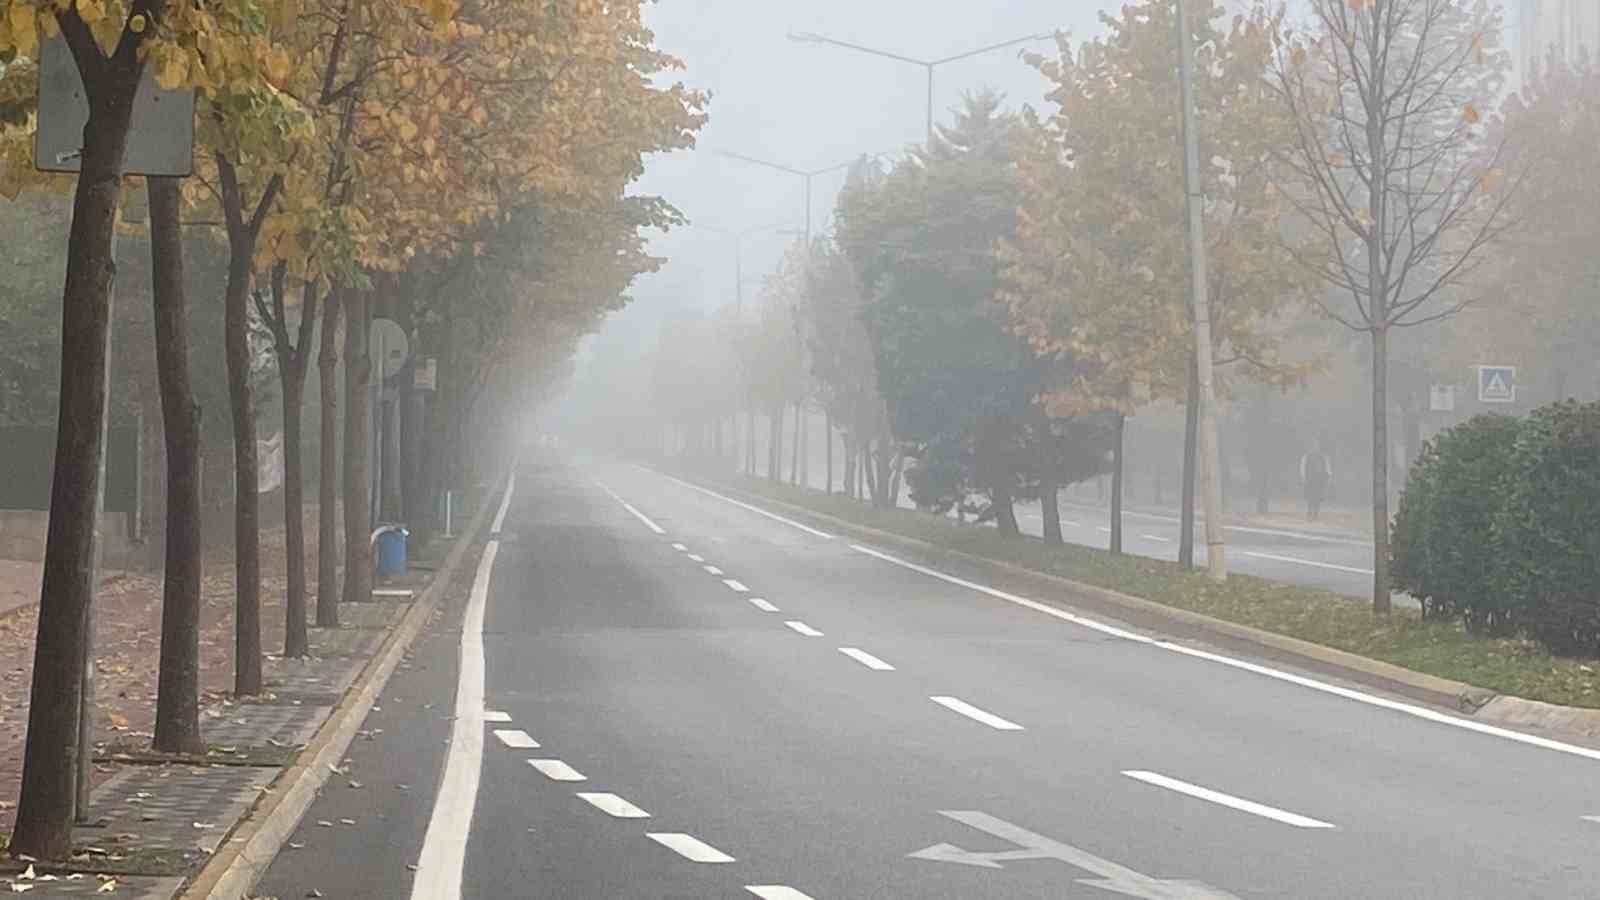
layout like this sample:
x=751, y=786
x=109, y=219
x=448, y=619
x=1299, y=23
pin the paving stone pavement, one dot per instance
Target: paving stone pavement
x=128, y=887
x=244, y=725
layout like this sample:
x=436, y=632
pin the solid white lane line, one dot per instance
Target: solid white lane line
x=444, y=847
x=516, y=738
x=776, y=892
x=1156, y=537
x=1419, y=712
x=712, y=570
x=866, y=659
x=612, y=805
x=636, y=514
x=1306, y=562
x=1249, y=806
x=695, y=557
x=976, y=714
x=735, y=585
x=680, y=548
x=762, y=605
x=803, y=628
x=689, y=847
x=755, y=509
x=556, y=770
x=495, y=715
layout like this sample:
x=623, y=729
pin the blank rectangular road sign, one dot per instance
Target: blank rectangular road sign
x=160, y=142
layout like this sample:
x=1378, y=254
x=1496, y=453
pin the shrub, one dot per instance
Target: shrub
x=1441, y=550
x=1547, y=531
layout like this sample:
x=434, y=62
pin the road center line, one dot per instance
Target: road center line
x=612, y=805
x=976, y=714
x=629, y=507
x=735, y=585
x=1249, y=806
x=689, y=847
x=803, y=628
x=712, y=570
x=866, y=659
x=755, y=509
x=442, y=862
x=516, y=738
x=762, y=605
x=1306, y=562
x=776, y=892
x=556, y=770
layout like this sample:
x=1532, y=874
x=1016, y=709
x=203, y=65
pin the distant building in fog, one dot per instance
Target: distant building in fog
x=1570, y=27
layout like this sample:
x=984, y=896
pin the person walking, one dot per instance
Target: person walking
x=1316, y=471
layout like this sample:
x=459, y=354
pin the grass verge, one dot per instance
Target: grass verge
x=1443, y=649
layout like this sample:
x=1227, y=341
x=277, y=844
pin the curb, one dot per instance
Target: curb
x=231, y=874
x=1480, y=703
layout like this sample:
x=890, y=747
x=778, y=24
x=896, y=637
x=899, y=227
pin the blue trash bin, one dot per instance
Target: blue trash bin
x=390, y=546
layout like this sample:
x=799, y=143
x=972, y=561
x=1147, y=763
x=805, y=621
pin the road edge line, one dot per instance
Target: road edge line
x=262, y=833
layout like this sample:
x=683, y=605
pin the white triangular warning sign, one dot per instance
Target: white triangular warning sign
x=1497, y=386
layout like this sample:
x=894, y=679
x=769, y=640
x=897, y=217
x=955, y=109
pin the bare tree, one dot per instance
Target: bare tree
x=1387, y=173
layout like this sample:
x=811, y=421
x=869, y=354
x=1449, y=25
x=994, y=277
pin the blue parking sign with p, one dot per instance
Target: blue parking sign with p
x=1497, y=384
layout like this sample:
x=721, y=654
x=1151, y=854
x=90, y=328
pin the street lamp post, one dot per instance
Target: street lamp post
x=928, y=64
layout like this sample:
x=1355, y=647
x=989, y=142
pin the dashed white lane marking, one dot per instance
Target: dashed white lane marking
x=689, y=847
x=976, y=714
x=1249, y=806
x=866, y=659
x=755, y=509
x=680, y=548
x=629, y=507
x=1156, y=537
x=776, y=892
x=1307, y=562
x=612, y=805
x=556, y=770
x=495, y=715
x=735, y=585
x=1276, y=674
x=516, y=738
x=803, y=628
x=444, y=846
x=712, y=570
x=695, y=557
x=762, y=605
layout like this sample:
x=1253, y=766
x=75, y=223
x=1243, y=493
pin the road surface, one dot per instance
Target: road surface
x=658, y=693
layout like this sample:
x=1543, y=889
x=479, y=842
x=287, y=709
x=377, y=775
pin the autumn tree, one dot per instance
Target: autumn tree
x=1097, y=275
x=1385, y=169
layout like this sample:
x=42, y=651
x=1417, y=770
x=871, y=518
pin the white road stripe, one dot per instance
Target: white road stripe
x=612, y=805
x=516, y=738
x=755, y=509
x=1156, y=537
x=1306, y=562
x=1419, y=712
x=695, y=557
x=866, y=659
x=1595, y=819
x=762, y=605
x=803, y=628
x=735, y=585
x=680, y=548
x=629, y=507
x=556, y=770
x=976, y=714
x=776, y=892
x=1249, y=806
x=689, y=847
x=444, y=847
x=712, y=570
x=495, y=715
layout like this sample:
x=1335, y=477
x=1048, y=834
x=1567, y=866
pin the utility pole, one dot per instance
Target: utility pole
x=1211, y=491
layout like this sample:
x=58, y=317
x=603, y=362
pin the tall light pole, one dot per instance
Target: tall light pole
x=927, y=64
x=1211, y=495
x=738, y=235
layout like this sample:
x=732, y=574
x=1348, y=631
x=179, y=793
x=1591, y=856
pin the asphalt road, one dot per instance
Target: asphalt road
x=807, y=718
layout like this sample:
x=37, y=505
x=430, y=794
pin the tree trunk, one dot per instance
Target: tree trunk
x=827, y=429
x=295, y=640
x=46, y=804
x=1005, y=513
x=869, y=474
x=1191, y=432
x=357, y=490
x=1118, y=459
x=328, y=467
x=1380, y=471
x=775, y=445
x=750, y=442
x=794, y=449
x=1051, y=505
x=177, y=728
x=849, y=472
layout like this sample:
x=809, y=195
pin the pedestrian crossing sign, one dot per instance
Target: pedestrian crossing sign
x=1497, y=384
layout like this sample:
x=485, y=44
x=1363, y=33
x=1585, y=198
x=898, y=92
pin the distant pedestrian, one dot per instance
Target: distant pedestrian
x=1316, y=471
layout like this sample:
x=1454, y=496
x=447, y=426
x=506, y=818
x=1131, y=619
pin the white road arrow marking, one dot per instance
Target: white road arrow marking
x=1113, y=877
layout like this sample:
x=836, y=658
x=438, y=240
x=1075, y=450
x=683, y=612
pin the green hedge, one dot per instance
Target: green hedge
x=1499, y=526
